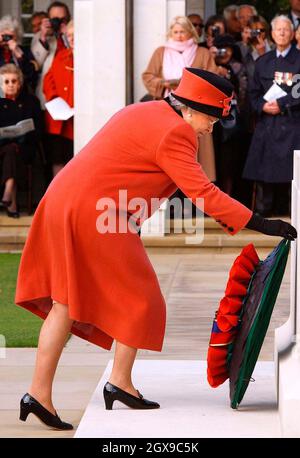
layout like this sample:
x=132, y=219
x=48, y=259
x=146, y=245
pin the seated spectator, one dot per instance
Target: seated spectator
x=59, y=82
x=245, y=13
x=198, y=23
x=15, y=106
x=214, y=26
x=11, y=51
x=36, y=20
x=277, y=134
x=165, y=69
x=233, y=25
x=50, y=40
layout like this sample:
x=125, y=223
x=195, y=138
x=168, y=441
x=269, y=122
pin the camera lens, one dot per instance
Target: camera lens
x=6, y=37
x=56, y=23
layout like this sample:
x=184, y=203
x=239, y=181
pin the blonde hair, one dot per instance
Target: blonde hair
x=186, y=24
x=11, y=69
x=10, y=23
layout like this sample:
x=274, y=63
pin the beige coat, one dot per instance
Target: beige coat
x=153, y=81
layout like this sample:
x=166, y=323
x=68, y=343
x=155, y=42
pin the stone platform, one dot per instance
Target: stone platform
x=189, y=407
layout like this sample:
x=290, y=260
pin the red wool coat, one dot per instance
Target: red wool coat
x=107, y=280
x=59, y=82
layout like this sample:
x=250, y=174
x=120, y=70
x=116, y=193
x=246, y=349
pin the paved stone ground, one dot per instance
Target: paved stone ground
x=192, y=280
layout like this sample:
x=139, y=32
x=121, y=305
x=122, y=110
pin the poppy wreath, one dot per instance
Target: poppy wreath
x=227, y=317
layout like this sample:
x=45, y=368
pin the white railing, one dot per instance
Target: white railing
x=287, y=337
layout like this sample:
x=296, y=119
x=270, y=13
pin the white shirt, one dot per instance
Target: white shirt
x=283, y=53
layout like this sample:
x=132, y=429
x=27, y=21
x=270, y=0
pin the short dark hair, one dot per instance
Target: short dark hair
x=60, y=5
x=212, y=20
x=39, y=14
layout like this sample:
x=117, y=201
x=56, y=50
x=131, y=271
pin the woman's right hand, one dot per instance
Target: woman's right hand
x=260, y=46
x=213, y=51
x=46, y=29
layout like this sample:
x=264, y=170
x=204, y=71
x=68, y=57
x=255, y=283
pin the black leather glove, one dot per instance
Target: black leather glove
x=272, y=227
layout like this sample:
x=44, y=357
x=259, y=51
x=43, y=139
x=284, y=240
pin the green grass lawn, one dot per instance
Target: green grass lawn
x=19, y=326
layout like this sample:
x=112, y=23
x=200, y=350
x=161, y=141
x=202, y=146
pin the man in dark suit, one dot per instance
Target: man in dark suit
x=277, y=133
x=294, y=13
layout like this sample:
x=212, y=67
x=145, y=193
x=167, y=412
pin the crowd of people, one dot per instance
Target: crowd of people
x=249, y=156
x=30, y=77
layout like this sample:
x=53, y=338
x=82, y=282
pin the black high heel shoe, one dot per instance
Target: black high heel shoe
x=14, y=214
x=112, y=393
x=30, y=405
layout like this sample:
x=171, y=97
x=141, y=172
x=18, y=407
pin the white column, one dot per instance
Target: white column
x=100, y=75
x=287, y=337
x=100, y=66
x=151, y=21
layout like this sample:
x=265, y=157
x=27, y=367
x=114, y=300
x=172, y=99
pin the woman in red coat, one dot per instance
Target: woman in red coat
x=59, y=82
x=97, y=283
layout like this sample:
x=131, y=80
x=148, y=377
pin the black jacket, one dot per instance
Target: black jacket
x=24, y=107
x=270, y=157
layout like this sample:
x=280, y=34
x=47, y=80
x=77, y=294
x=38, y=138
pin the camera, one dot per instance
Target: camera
x=215, y=31
x=221, y=52
x=6, y=37
x=56, y=23
x=255, y=33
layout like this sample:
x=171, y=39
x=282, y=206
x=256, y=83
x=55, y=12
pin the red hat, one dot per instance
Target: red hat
x=205, y=92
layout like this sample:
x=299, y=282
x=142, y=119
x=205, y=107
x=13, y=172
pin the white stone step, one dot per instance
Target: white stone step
x=189, y=407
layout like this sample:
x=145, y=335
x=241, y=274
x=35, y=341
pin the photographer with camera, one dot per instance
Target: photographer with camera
x=50, y=40
x=228, y=134
x=11, y=51
x=214, y=26
x=255, y=42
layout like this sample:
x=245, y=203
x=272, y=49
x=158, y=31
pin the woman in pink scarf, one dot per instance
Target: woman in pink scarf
x=165, y=69
x=167, y=62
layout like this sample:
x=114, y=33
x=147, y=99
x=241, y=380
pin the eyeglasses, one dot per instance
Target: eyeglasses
x=13, y=81
x=196, y=24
